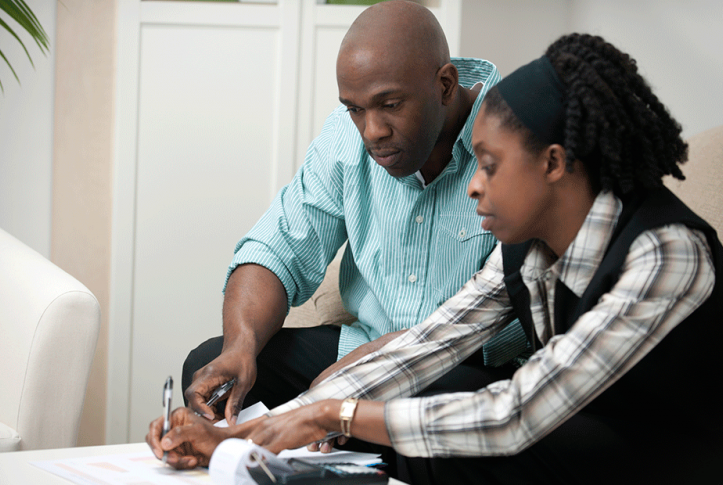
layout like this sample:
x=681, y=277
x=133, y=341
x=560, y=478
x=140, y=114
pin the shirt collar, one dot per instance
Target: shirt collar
x=472, y=71
x=578, y=264
x=582, y=258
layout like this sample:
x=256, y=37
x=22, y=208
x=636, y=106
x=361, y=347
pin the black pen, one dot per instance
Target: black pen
x=167, y=395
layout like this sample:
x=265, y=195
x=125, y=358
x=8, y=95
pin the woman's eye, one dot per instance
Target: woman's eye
x=488, y=169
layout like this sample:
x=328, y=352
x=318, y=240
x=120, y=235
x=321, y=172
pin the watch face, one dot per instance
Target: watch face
x=347, y=408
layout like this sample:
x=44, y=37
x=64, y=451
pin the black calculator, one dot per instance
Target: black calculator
x=306, y=472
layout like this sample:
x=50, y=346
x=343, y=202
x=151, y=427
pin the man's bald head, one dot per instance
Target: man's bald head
x=396, y=31
x=400, y=88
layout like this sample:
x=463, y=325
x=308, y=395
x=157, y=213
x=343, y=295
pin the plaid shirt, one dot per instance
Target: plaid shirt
x=667, y=274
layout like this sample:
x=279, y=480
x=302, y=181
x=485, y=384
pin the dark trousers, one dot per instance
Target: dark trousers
x=586, y=449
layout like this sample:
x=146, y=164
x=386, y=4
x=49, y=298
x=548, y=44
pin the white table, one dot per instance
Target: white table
x=15, y=468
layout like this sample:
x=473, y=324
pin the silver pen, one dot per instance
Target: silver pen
x=167, y=396
x=220, y=392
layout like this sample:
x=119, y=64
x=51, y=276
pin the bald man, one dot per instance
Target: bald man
x=388, y=175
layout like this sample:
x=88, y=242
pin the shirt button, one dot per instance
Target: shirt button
x=419, y=219
x=412, y=278
x=462, y=233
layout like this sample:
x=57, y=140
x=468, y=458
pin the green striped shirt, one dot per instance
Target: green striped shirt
x=410, y=247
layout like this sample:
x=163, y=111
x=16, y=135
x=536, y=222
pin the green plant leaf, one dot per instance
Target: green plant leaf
x=11, y=68
x=21, y=13
x=36, y=30
x=24, y=16
x=7, y=27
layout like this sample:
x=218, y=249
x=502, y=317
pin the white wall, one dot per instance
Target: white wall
x=677, y=44
x=513, y=32
x=26, y=132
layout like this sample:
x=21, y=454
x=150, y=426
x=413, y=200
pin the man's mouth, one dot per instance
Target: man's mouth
x=385, y=158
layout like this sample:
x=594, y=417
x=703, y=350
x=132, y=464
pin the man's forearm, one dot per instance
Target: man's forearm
x=356, y=354
x=254, y=307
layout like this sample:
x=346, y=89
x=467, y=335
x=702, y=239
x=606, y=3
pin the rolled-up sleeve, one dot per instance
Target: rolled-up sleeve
x=303, y=228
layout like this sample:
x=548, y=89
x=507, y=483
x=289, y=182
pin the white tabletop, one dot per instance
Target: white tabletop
x=15, y=468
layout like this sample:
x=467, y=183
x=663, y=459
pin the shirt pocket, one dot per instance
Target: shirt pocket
x=460, y=249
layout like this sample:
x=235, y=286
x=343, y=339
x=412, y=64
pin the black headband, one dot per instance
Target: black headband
x=536, y=96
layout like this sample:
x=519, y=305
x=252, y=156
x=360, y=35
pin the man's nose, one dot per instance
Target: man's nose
x=376, y=127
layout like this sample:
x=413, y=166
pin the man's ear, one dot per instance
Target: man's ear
x=555, y=162
x=449, y=79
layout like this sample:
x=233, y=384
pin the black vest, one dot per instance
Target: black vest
x=682, y=374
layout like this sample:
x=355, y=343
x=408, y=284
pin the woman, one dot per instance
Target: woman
x=611, y=275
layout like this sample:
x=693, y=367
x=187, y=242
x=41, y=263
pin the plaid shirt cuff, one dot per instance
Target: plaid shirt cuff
x=405, y=425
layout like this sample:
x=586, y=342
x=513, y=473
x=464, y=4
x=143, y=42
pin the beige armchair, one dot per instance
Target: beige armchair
x=324, y=307
x=701, y=189
x=49, y=325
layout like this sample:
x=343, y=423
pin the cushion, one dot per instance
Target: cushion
x=9, y=439
x=701, y=189
x=324, y=307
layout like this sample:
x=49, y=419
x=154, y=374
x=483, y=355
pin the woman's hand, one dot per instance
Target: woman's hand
x=293, y=429
x=190, y=442
x=311, y=423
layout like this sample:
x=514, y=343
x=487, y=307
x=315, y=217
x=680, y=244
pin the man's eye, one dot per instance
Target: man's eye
x=391, y=105
x=352, y=109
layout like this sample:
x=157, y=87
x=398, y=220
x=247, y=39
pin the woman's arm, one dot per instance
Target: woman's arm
x=427, y=351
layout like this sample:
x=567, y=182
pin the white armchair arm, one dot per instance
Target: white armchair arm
x=49, y=325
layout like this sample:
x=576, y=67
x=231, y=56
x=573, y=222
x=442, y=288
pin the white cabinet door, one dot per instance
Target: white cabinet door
x=212, y=143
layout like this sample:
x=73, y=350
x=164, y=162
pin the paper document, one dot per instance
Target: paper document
x=252, y=412
x=228, y=466
x=123, y=469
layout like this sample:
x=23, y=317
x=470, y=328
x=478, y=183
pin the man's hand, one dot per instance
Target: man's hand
x=229, y=365
x=191, y=441
x=254, y=308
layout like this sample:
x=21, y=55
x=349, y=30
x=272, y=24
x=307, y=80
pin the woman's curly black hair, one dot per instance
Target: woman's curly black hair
x=614, y=124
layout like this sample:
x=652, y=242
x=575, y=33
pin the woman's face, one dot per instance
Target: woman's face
x=510, y=186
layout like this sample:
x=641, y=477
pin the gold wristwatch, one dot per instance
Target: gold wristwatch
x=346, y=414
